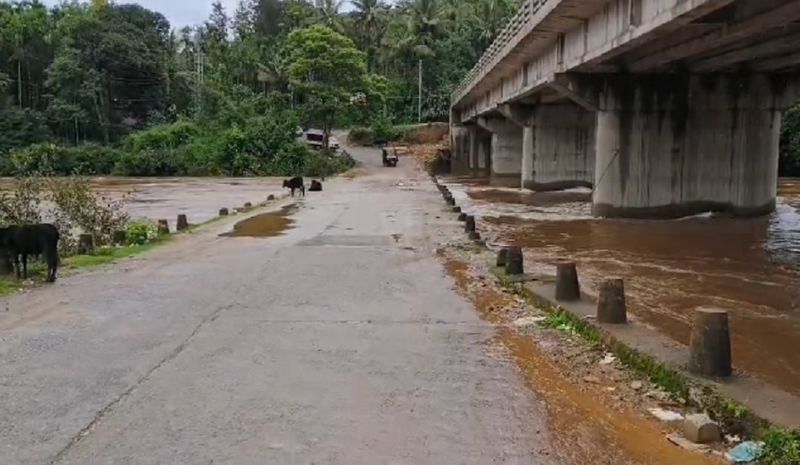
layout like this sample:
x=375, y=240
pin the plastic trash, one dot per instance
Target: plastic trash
x=746, y=452
x=665, y=415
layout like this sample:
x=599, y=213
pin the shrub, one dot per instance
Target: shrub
x=23, y=203
x=320, y=165
x=141, y=232
x=290, y=161
x=164, y=137
x=51, y=159
x=84, y=209
x=149, y=162
x=361, y=136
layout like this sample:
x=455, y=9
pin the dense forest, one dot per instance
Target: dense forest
x=107, y=87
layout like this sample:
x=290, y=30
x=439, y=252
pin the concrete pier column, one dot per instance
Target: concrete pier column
x=506, y=147
x=460, y=146
x=672, y=145
x=564, y=147
x=528, y=141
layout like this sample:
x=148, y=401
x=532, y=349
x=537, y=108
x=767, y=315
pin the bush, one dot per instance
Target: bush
x=141, y=232
x=291, y=161
x=82, y=208
x=23, y=204
x=162, y=137
x=51, y=159
x=150, y=162
x=318, y=165
x=361, y=136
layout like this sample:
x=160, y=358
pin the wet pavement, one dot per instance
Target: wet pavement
x=751, y=267
x=339, y=341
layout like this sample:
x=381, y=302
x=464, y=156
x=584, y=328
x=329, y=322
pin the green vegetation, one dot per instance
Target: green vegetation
x=108, y=88
x=782, y=447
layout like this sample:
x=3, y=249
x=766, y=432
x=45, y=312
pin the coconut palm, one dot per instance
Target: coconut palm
x=329, y=13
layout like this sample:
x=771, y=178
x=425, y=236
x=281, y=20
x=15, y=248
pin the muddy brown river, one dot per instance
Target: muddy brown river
x=750, y=267
x=199, y=198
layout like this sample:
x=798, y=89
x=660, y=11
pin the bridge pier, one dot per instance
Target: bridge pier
x=564, y=148
x=676, y=145
x=506, y=147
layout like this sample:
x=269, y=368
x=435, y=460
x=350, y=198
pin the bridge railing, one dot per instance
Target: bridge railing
x=509, y=35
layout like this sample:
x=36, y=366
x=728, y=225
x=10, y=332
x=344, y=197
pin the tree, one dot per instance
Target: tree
x=329, y=13
x=326, y=69
x=370, y=26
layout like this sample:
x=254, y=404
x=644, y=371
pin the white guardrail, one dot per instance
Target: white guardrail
x=496, y=51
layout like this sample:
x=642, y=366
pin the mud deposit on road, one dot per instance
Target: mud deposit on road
x=266, y=224
x=587, y=425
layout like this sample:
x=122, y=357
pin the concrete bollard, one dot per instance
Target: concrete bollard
x=470, y=224
x=514, y=261
x=451, y=201
x=502, y=255
x=85, y=244
x=456, y=209
x=119, y=237
x=567, y=287
x=163, y=227
x=462, y=216
x=183, y=223
x=248, y=205
x=270, y=198
x=223, y=212
x=710, y=344
x=611, y=303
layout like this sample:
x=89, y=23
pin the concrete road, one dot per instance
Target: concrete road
x=341, y=342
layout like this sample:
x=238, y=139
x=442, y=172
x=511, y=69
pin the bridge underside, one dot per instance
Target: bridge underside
x=664, y=112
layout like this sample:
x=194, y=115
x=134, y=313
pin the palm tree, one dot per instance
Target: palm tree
x=370, y=26
x=329, y=12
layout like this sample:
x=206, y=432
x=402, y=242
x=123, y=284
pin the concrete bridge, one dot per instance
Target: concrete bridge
x=664, y=107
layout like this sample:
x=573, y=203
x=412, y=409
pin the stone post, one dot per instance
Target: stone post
x=223, y=212
x=611, y=303
x=567, y=287
x=85, y=244
x=182, y=223
x=514, y=261
x=502, y=257
x=119, y=237
x=710, y=345
x=163, y=227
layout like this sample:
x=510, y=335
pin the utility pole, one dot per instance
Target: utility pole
x=419, y=97
x=199, y=75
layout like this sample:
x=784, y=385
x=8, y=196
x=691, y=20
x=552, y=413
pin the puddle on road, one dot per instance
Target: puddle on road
x=270, y=224
x=584, y=428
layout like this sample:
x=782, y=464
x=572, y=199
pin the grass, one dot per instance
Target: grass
x=782, y=445
x=558, y=318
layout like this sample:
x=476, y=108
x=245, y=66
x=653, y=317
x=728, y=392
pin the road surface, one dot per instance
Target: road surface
x=340, y=342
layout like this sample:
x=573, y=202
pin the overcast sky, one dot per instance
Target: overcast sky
x=181, y=12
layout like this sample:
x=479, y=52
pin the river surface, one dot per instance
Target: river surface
x=164, y=198
x=750, y=267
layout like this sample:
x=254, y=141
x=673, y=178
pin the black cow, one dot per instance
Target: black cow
x=31, y=240
x=316, y=186
x=295, y=184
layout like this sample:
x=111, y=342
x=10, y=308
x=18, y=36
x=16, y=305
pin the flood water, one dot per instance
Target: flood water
x=269, y=224
x=198, y=198
x=750, y=267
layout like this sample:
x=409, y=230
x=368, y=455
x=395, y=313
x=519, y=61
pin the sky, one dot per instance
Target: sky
x=182, y=12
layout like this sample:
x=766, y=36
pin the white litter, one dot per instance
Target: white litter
x=528, y=321
x=608, y=359
x=665, y=415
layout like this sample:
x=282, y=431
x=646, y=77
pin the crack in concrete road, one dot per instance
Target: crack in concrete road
x=87, y=430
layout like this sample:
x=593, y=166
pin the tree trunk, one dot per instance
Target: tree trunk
x=19, y=82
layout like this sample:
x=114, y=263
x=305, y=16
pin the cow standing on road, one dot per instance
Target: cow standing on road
x=31, y=240
x=295, y=184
